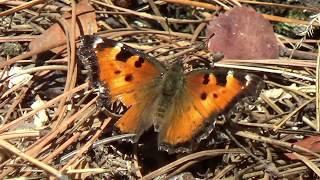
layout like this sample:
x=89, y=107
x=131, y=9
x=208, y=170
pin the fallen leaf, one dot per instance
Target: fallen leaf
x=275, y=93
x=17, y=77
x=55, y=35
x=242, y=33
x=312, y=143
x=40, y=118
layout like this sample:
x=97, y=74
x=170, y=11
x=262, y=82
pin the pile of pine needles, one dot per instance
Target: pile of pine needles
x=49, y=124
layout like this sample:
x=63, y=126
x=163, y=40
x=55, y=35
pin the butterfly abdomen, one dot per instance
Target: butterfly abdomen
x=162, y=111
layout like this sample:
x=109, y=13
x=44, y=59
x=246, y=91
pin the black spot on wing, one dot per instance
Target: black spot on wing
x=139, y=62
x=203, y=96
x=128, y=77
x=206, y=79
x=123, y=55
x=221, y=77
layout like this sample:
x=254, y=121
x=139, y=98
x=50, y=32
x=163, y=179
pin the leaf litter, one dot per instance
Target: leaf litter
x=41, y=82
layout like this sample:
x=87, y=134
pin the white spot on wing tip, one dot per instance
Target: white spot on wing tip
x=97, y=41
x=248, y=78
x=230, y=73
x=119, y=45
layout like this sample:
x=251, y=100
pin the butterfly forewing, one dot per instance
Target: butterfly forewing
x=128, y=75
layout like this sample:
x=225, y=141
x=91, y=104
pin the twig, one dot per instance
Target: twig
x=194, y=156
x=313, y=9
x=289, y=116
x=20, y=7
x=194, y=3
x=256, y=137
x=267, y=16
x=297, y=54
x=157, y=12
x=20, y=134
x=275, y=71
x=87, y=145
x=98, y=143
x=46, y=105
x=72, y=70
x=309, y=163
x=146, y=15
x=121, y=17
x=318, y=90
x=223, y=172
x=39, y=6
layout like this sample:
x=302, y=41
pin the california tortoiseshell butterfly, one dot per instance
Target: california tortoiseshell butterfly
x=180, y=105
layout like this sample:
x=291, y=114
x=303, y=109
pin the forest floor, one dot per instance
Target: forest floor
x=52, y=126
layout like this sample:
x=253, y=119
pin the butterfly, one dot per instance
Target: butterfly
x=180, y=105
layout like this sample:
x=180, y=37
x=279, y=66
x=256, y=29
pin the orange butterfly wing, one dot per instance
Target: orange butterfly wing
x=124, y=74
x=206, y=97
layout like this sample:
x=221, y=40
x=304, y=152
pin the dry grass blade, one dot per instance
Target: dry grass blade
x=21, y=7
x=279, y=5
x=318, y=90
x=202, y=154
x=36, y=162
x=275, y=71
x=286, y=118
x=48, y=104
x=223, y=172
x=194, y=3
x=310, y=164
x=20, y=134
x=87, y=145
x=275, y=142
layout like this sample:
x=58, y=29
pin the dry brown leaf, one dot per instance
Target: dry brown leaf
x=312, y=143
x=242, y=33
x=86, y=24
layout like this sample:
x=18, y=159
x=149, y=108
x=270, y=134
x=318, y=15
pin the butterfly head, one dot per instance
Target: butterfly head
x=173, y=79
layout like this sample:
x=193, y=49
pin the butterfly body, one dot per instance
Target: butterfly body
x=181, y=106
x=173, y=80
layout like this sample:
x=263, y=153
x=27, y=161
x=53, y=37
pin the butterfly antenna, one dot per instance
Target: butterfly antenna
x=201, y=45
